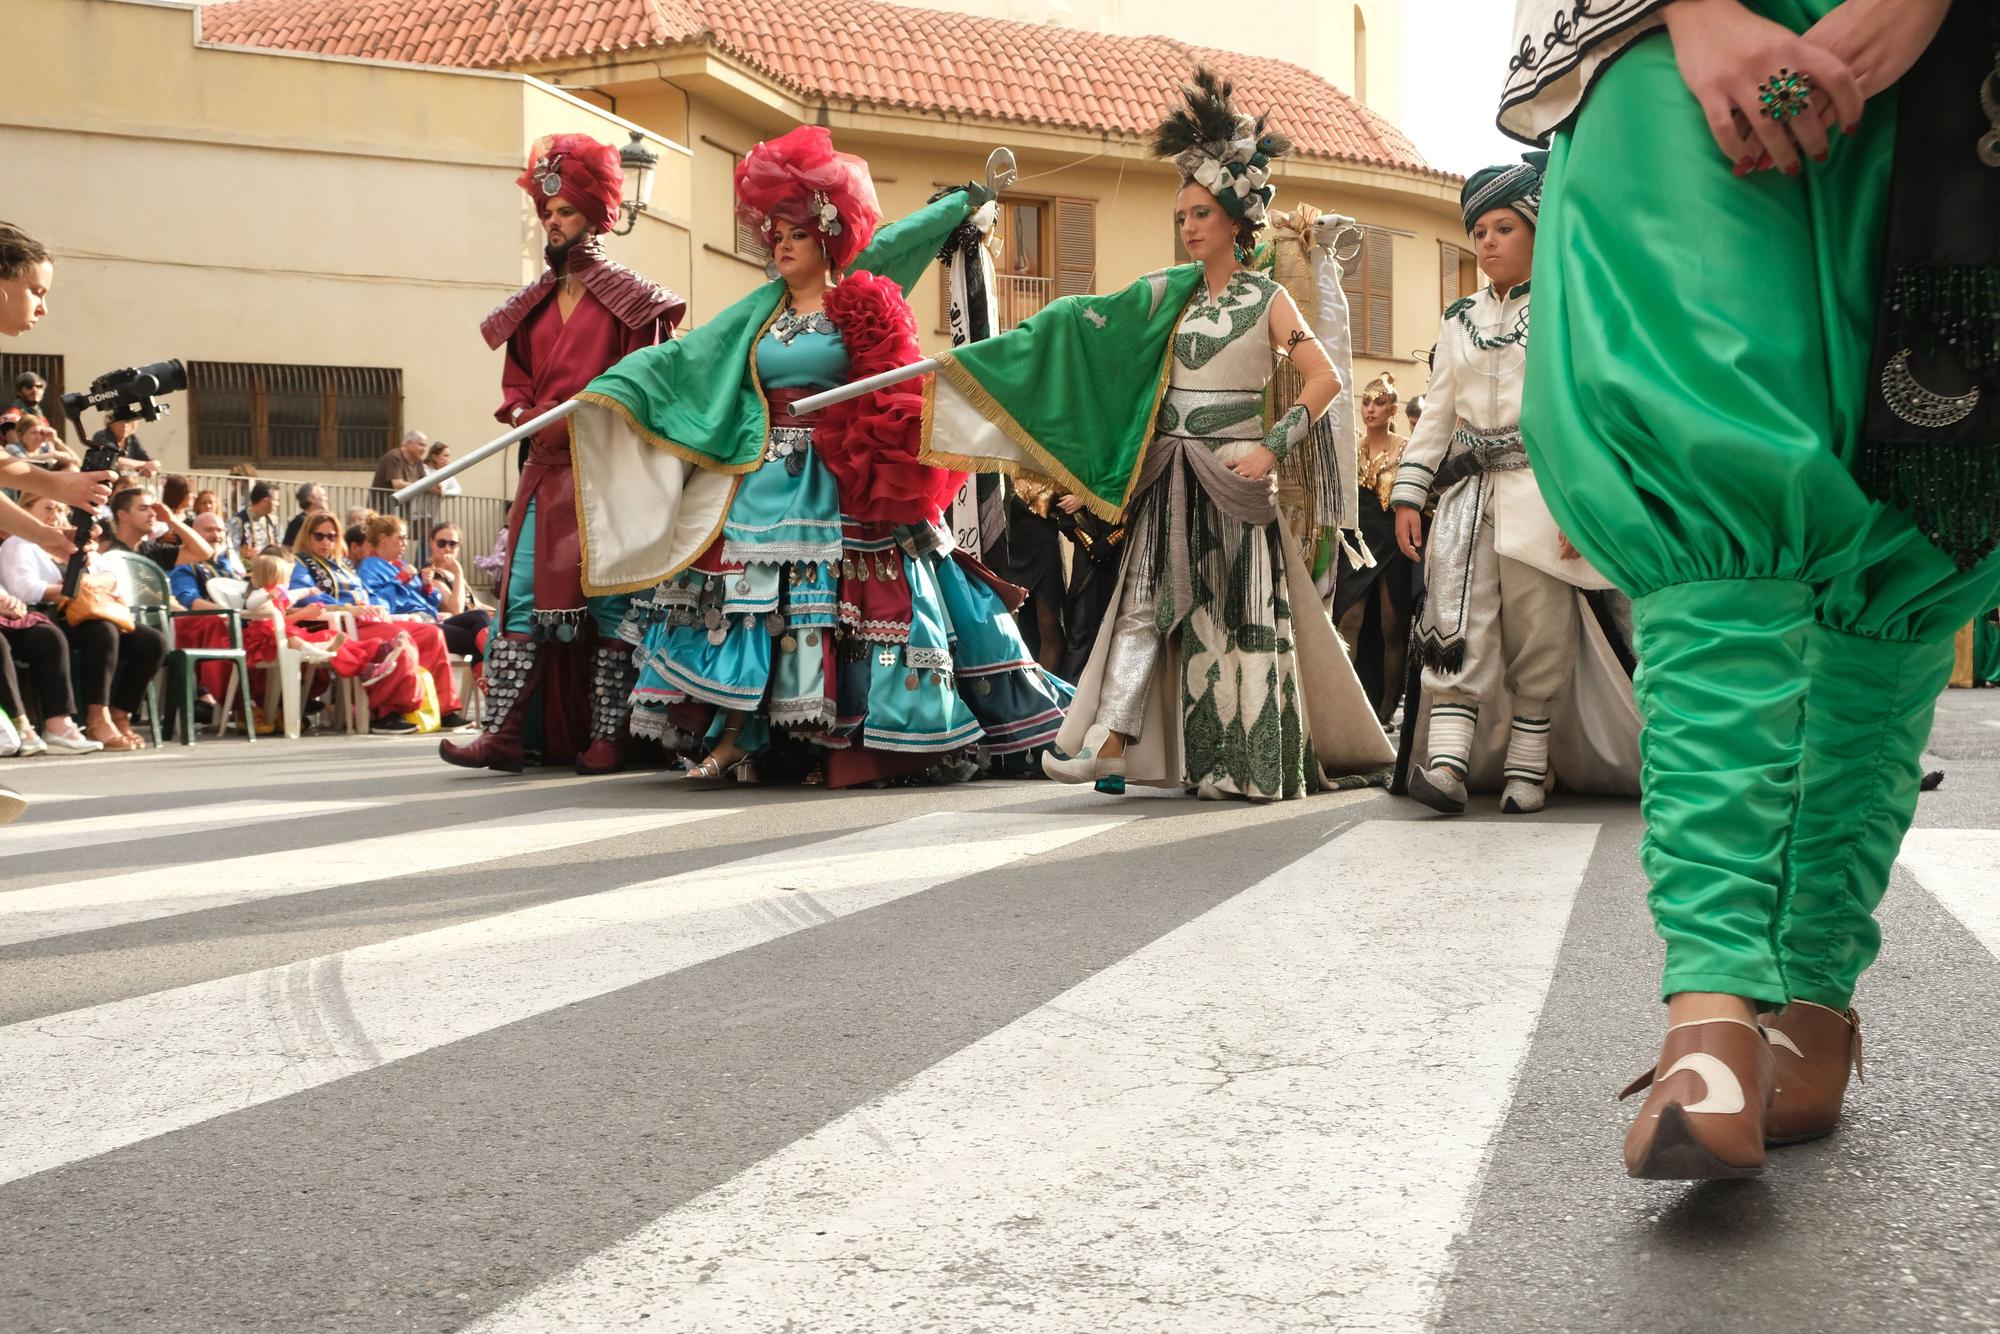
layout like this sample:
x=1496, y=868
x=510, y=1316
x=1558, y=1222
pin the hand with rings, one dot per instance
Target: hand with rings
x=1768, y=94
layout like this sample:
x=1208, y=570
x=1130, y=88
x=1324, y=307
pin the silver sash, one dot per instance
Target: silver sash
x=1454, y=540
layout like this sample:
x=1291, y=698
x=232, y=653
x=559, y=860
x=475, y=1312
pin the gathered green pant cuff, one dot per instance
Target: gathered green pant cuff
x=1767, y=990
x=1868, y=715
x=1721, y=689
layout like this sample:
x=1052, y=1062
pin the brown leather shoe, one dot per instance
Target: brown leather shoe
x=1814, y=1048
x=1705, y=1117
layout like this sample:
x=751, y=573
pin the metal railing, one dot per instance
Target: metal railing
x=1022, y=296
x=479, y=518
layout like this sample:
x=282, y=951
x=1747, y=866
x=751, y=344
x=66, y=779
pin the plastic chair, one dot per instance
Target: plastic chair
x=142, y=586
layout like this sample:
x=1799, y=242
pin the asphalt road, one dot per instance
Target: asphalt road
x=328, y=1036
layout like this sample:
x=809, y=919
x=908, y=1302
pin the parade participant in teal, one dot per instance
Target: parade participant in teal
x=1736, y=206
x=821, y=598
x=1217, y=670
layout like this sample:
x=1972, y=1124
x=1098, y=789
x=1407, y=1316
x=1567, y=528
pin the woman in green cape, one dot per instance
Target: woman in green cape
x=1217, y=669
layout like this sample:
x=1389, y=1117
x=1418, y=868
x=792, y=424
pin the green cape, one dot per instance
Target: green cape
x=1075, y=388
x=692, y=397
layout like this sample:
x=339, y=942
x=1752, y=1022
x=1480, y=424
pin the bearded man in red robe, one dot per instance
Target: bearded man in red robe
x=558, y=677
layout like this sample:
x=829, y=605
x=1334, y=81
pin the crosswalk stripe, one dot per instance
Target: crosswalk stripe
x=34, y=835
x=93, y=1080
x=452, y=785
x=1274, y=1116
x=1961, y=869
x=96, y=902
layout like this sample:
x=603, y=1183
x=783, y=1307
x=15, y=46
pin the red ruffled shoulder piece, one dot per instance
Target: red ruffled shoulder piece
x=870, y=443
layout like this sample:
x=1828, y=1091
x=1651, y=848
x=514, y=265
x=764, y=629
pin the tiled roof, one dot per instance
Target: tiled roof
x=848, y=50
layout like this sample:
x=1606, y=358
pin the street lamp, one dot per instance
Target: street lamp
x=638, y=161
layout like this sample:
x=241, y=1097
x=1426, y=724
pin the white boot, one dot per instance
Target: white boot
x=1439, y=788
x=1521, y=797
x=1088, y=765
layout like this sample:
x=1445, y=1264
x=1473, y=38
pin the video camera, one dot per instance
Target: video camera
x=124, y=395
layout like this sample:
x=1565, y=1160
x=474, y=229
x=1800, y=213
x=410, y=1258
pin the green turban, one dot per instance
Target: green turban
x=1516, y=185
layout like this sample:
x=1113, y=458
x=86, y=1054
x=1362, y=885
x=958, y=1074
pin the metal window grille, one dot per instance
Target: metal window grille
x=290, y=417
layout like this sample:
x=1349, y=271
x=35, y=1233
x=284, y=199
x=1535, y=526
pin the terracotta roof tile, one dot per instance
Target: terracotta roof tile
x=849, y=50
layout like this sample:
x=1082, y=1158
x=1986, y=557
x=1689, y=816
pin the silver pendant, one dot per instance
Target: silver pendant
x=1920, y=406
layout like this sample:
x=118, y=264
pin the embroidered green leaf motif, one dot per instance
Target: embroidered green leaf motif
x=1265, y=762
x=1214, y=418
x=1195, y=349
x=1169, y=419
x=1293, y=758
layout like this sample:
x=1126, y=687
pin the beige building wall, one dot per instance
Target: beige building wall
x=724, y=110
x=1355, y=44
x=236, y=206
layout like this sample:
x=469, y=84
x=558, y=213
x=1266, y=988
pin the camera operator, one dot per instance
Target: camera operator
x=26, y=273
x=123, y=439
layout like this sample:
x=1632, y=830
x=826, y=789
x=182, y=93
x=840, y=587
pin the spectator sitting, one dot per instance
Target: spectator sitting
x=205, y=502
x=421, y=595
x=355, y=539
x=312, y=496
x=10, y=433
x=117, y=665
x=357, y=515
x=132, y=456
x=324, y=577
x=460, y=616
x=28, y=390
x=137, y=520
x=270, y=582
x=175, y=490
x=29, y=636
x=400, y=466
x=256, y=524
x=189, y=579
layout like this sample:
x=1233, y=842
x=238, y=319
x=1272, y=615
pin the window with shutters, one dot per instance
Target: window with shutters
x=1042, y=249
x=276, y=415
x=1458, y=275
x=1367, y=280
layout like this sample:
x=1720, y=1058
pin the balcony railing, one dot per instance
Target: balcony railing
x=1021, y=296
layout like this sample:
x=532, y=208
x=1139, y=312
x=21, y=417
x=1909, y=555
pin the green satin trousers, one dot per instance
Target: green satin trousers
x=1695, y=386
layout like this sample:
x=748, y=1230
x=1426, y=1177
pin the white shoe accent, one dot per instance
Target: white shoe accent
x=1087, y=765
x=1723, y=1093
x=1522, y=797
x=32, y=744
x=72, y=743
x=1778, y=1039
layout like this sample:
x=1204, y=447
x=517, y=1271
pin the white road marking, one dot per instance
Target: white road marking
x=1272, y=1118
x=95, y=902
x=33, y=835
x=93, y=1080
x=1961, y=869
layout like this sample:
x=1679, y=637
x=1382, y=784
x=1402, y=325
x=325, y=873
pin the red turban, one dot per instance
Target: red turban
x=581, y=170
x=798, y=178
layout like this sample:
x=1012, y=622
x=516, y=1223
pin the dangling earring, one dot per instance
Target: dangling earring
x=1242, y=253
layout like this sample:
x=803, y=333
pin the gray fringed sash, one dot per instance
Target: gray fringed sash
x=1174, y=470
